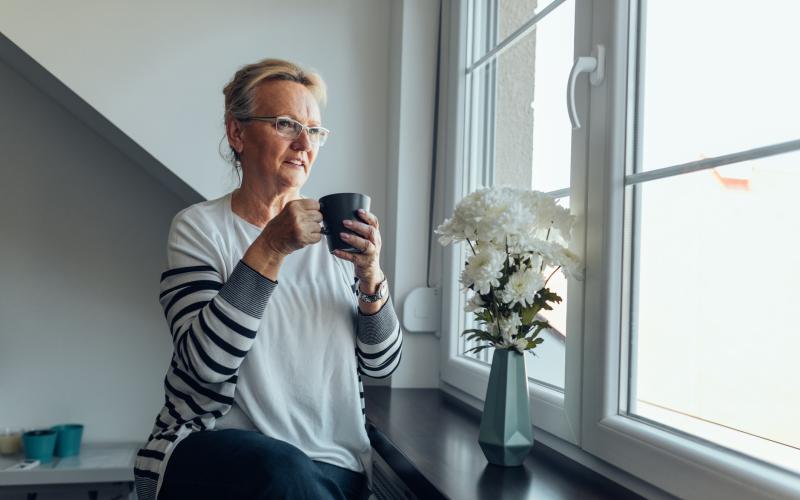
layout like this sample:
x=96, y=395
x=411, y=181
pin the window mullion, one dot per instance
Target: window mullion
x=514, y=37
x=717, y=161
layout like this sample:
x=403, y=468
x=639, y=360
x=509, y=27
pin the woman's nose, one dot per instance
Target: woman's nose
x=303, y=142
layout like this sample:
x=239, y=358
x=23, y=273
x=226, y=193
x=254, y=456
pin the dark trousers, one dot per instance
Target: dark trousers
x=239, y=464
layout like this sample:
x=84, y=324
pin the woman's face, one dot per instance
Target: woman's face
x=267, y=157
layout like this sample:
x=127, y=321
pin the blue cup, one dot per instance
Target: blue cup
x=39, y=444
x=68, y=442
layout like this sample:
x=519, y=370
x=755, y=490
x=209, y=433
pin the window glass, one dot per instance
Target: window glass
x=719, y=77
x=715, y=329
x=520, y=136
x=495, y=20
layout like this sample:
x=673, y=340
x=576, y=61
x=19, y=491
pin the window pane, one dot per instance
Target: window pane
x=719, y=77
x=520, y=135
x=495, y=20
x=531, y=139
x=714, y=332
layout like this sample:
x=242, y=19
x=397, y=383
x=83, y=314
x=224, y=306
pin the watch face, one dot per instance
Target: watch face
x=374, y=297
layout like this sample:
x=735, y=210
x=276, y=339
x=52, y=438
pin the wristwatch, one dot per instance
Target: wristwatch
x=383, y=291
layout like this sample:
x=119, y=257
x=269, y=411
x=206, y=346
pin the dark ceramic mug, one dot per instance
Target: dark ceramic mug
x=337, y=207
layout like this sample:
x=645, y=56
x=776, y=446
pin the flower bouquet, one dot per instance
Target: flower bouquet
x=518, y=240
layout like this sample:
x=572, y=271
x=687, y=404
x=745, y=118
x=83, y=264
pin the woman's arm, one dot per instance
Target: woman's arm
x=379, y=342
x=213, y=324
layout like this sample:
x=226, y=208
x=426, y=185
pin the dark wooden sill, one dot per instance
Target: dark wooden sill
x=430, y=440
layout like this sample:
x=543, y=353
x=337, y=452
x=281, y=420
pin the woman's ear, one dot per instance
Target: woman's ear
x=235, y=132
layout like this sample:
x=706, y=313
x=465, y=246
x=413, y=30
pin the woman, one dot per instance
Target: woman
x=263, y=389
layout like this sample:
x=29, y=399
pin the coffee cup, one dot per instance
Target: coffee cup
x=337, y=207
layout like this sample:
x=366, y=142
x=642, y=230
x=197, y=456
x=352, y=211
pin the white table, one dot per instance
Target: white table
x=101, y=470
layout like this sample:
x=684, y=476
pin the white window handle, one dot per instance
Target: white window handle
x=593, y=65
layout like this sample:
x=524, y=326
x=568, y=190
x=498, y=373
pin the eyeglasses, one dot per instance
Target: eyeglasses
x=291, y=129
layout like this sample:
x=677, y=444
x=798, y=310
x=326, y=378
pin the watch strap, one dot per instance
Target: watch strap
x=374, y=297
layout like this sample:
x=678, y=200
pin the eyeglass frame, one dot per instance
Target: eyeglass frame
x=305, y=128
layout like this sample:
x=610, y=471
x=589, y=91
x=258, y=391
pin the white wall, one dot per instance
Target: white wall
x=156, y=70
x=82, y=245
x=411, y=113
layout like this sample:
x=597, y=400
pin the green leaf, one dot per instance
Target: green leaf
x=544, y=296
x=484, y=316
x=529, y=313
x=475, y=334
x=477, y=349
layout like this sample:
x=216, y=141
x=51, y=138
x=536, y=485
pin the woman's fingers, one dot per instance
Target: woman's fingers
x=365, y=246
x=366, y=231
x=367, y=240
x=369, y=218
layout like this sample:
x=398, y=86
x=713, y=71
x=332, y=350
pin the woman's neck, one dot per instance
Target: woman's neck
x=259, y=207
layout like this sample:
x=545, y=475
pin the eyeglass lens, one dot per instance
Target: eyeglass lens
x=292, y=129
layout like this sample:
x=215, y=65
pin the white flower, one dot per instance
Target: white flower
x=508, y=326
x=553, y=222
x=519, y=345
x=483, y=270
x=506, y=215
x=474, y=304
x=554, y=255
x=570, y=264
x=522, y=287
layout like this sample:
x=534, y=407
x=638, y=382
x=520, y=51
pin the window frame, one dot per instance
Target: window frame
x=696, y=469
x=587, y=413
x=552, y=410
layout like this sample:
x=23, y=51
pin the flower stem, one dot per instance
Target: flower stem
x=472, y=247
x=551, y=275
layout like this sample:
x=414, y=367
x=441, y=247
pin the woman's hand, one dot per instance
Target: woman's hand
x=368, y=240
x=295, y=227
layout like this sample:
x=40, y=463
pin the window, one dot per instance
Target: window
x=713, y=253
x=521, y=132
x=677, y=351
x=517, y=56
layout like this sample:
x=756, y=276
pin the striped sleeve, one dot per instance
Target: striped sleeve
x=213, y=324
x=379, y=342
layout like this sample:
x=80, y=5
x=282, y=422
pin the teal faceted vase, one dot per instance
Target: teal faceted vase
x=506, y=434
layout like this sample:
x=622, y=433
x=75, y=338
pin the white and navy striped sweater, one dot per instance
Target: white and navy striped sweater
x=239, y=339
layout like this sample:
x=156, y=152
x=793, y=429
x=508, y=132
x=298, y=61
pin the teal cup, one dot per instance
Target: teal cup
x=39, y=444
x=68, y=441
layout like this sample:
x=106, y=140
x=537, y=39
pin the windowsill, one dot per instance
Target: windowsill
x=430, y=440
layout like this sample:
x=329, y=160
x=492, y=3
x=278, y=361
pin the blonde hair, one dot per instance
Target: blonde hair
x=240, y=91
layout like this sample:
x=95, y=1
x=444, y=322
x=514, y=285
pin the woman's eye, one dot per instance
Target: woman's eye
x=285, y=123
